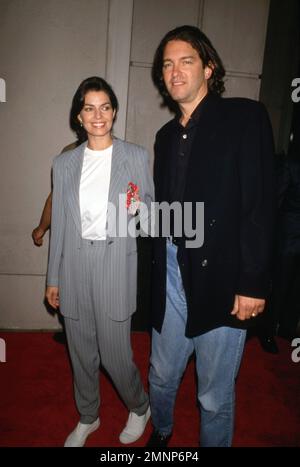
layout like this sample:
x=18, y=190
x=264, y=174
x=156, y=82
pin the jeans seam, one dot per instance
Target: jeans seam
x=234, y=376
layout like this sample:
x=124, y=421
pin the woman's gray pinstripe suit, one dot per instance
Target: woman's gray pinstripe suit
x=97, y=279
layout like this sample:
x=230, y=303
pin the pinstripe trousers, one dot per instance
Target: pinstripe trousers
x=96, y=340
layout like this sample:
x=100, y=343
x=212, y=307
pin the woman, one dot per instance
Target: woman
x=92, y=269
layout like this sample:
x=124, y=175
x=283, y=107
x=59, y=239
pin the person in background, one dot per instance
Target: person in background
x=44, y=224
x=220, y=152
x=45, y=220
x=283, y=312
x=92, y=269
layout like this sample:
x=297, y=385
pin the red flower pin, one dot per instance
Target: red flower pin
x=133, y=198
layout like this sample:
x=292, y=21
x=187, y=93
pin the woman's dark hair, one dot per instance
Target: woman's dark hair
x=206, y=51
x=90, y=84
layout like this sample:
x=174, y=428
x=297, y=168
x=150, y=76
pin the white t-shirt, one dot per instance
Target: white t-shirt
x=93, y=192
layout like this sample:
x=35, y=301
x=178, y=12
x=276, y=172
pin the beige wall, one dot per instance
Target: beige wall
x=47, y=48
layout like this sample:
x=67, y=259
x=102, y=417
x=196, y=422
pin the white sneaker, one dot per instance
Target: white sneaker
x=135, y=427
x=77, y=438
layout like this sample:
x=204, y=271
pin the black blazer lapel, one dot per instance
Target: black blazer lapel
x=162, y=163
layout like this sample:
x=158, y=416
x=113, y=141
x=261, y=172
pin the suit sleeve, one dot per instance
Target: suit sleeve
x=257, y=205
x=146, y=193
x=57, y=225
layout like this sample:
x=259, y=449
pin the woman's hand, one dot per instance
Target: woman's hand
x=52, y=296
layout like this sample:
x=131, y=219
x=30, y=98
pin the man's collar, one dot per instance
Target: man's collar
x=194, y=118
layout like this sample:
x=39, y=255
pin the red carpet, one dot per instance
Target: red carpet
x=37, y=408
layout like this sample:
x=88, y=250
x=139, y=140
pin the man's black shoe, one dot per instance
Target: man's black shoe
x=268, y=343
x=158, y=440
x=60, y=337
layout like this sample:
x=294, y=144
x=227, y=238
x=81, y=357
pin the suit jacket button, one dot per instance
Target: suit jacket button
x=204, y=263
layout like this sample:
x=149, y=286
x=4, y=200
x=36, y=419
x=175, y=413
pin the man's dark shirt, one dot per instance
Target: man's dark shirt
x=182, y=141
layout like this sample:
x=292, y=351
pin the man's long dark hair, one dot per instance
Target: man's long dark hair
x=93, y=83
x=208, y=54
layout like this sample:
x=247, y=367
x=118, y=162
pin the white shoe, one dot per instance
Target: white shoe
x=135, y=427
x=77, y=438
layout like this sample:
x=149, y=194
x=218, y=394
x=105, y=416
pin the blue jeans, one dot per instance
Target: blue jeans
x=218, y=357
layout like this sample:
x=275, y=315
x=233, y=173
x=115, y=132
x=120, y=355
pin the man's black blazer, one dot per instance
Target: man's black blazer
x=231, y=171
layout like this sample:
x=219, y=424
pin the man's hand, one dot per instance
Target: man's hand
x=247, y=307
x=37, y=236
x=52, y=296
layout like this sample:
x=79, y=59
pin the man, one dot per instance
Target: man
x=284, y=309
x=220, y=152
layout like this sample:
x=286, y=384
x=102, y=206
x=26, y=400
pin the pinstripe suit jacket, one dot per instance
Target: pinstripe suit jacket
x=129, y=164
